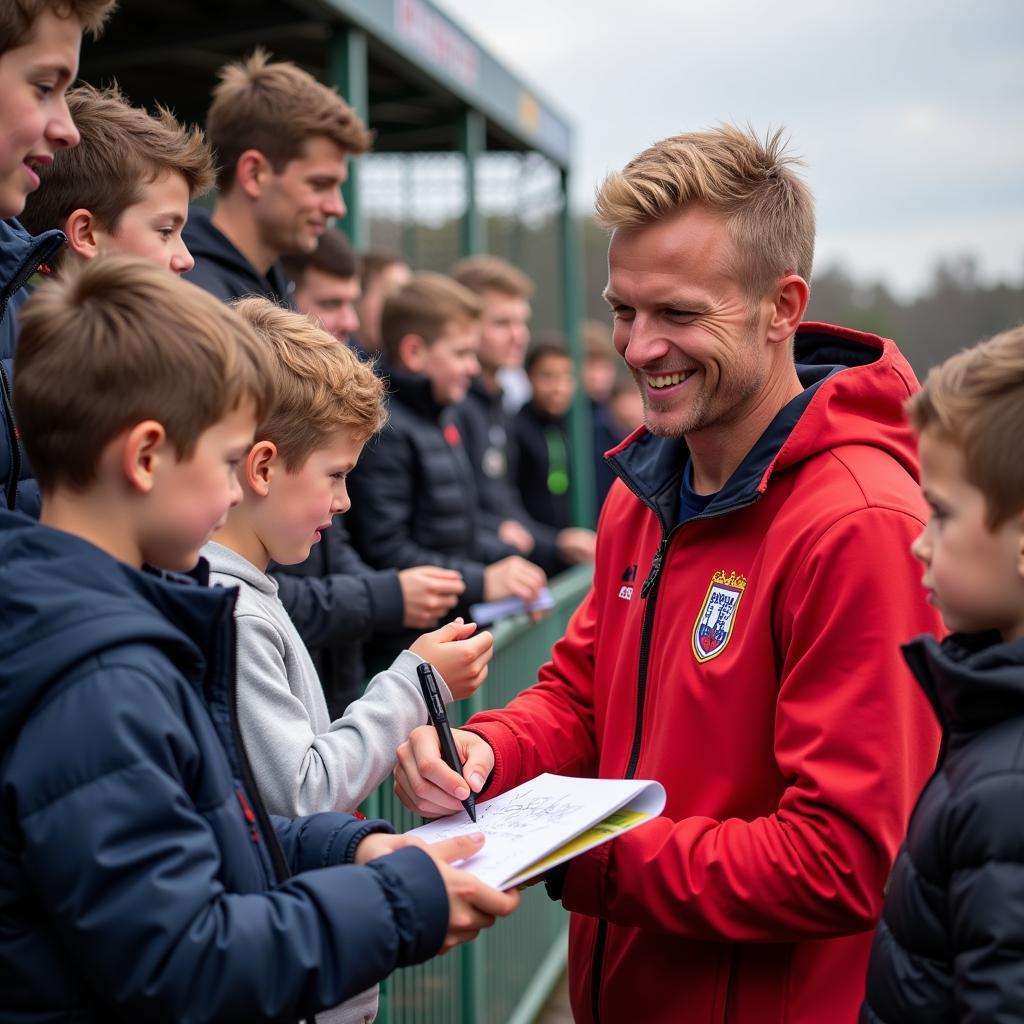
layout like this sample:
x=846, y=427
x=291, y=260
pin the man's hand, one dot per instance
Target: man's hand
x=458, y=655
x=513, y=577
x=426, y=785
x=515, y=535
x=428, y=592
x=576, y=544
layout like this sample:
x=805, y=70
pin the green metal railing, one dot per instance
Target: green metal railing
x=506, y=974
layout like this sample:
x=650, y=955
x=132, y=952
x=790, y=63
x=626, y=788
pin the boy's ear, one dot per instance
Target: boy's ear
x=260, y=465
x=82, y=230
x=252, y=172
x=412, y=353
x=144, y=447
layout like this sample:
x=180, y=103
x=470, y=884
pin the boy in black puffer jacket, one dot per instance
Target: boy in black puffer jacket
x=949, y=945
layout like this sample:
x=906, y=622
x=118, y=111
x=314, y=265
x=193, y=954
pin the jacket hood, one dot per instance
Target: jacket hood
x=855, y=385
x=62, y=600
x=226, y=562
x=973, y=680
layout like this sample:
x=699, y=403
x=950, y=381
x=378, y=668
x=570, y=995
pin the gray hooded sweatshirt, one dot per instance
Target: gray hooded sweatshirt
x=303, y=762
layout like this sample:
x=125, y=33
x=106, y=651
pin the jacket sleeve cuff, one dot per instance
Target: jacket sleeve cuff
x=473, y=577
x=386, y=602
x=419, y=902
x=321, y=840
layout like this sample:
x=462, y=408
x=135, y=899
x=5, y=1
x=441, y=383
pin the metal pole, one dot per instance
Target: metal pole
x=473, y=139
x=581, y=431
x=348, y=74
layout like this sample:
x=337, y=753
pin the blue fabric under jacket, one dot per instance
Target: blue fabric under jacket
x=140, y=877
x=20, y=256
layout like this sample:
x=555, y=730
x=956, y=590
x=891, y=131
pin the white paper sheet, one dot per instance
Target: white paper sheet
x=530, y=821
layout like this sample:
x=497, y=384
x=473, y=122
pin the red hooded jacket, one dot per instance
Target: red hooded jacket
x=749, y=660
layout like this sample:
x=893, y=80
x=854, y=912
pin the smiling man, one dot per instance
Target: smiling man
x=740, y=640
x=282, y=141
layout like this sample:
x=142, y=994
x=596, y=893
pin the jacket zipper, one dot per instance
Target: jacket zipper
x=649, y=592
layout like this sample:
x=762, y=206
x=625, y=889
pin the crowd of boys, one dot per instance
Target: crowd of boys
x=189, y=597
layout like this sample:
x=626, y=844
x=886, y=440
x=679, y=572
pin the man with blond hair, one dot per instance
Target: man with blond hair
x=282, y=141
x=739, y=642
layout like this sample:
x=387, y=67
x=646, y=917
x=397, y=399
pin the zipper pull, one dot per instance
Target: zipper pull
x=250, y=816
x=652, y=576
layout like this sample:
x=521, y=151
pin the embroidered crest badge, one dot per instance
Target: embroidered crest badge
x=717, y=615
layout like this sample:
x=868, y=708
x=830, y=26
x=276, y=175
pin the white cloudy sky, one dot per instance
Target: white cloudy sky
x=909, y=114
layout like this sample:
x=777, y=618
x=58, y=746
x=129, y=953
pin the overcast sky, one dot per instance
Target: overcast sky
x=909, y=114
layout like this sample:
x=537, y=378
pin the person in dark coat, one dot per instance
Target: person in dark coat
x=485, y=424
x=140, y=875
x=540, y=435
x=949, y=945
x=282, y=141
x=413, y=496
x=36, y=125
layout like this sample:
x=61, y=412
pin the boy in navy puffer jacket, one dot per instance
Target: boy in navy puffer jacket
x=949, y=943
x=140, y=876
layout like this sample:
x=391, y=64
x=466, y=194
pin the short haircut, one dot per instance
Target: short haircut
x=18, y=17
x=319, y=386
x=114, y=342
x=597, y=341
x=975, y=400
x=492, y=274
x=333, y=255
x=728, y=170
x=375, y=261
x=544, y=345
x=425, y=307
x=276, y=107
x=122, y=148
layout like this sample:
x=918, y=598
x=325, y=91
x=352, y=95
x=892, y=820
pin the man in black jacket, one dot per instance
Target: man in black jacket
x=413, y=496
x=282, y=141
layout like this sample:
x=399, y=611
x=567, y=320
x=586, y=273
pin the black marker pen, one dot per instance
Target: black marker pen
x=439, y=720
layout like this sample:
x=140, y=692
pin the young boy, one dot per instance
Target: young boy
x=140, y=875
x=949, y=943
x=540, y=436
x=39, y=44
x=369, y=600
x=126, y=186
x=413, y=499
x=283, y=141
x=504, y=293
x=326, y=406
x=382, y=272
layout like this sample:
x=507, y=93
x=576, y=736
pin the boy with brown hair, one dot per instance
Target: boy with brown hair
x=326, y=406
x=39, y=44
x=948, y=945
x=126, y=186
x=504, y=292
x=368, y=600
x=414, y=500
x=282, y=141
x=140, y=875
